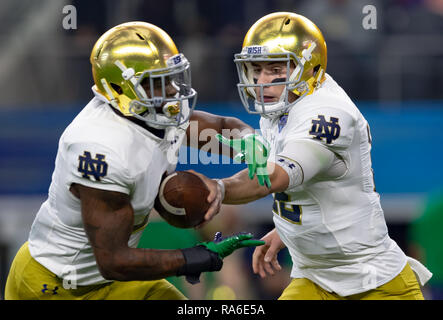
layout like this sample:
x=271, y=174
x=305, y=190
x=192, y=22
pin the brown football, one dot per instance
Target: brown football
x=181, y=199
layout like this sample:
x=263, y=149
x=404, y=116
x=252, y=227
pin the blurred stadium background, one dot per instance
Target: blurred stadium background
x=394, y=74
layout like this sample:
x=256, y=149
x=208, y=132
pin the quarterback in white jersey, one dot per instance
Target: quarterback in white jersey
x=109, y=165
x=325, y=210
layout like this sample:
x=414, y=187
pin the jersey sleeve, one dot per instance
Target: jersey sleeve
x=332, y=127
x=97, y=166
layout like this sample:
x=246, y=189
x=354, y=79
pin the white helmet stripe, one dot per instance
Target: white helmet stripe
x=128, y=74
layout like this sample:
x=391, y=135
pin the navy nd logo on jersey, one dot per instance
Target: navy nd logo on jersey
x=97, y=167
x=322, y=129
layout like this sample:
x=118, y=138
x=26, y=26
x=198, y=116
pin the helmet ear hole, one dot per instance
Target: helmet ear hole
x=117, y=88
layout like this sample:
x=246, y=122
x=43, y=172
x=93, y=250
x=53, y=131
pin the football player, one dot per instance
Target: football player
x=109, y=165
x=325, y=210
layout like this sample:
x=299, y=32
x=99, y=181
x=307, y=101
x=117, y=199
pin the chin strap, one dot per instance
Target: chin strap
x=318, y=79
x=113, y=100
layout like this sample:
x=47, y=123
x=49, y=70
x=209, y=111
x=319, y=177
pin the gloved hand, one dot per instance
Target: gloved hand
x=225, y=246
x=208, y=256
x=254, y=150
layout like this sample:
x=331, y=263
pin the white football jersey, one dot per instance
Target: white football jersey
x=102, y=150
x=333, y=225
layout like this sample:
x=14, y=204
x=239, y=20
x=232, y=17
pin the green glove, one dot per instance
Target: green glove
x=208, y=256
x=252, y=149
x=225, y=246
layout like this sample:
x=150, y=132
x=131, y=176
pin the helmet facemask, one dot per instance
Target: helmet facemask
x=292, y=82
x=175, y=110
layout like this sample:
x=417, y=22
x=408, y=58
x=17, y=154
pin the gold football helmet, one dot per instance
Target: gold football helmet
x=135, y=56
x=287, y=37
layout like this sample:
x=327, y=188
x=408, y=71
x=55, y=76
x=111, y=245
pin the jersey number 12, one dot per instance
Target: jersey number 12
x=289, y=212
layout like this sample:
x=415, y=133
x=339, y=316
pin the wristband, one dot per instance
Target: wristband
x=222, y=187
x=198, y=259
x=293, y=169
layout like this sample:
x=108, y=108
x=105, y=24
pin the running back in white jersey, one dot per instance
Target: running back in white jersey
x=102, y=150
x=333, y=224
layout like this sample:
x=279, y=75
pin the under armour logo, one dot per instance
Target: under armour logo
x=97, y=167
x=287, y=163
x=322, y=129
x=45, y=290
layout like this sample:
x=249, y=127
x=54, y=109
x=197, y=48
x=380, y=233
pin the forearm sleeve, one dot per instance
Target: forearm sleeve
x=303, y=160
